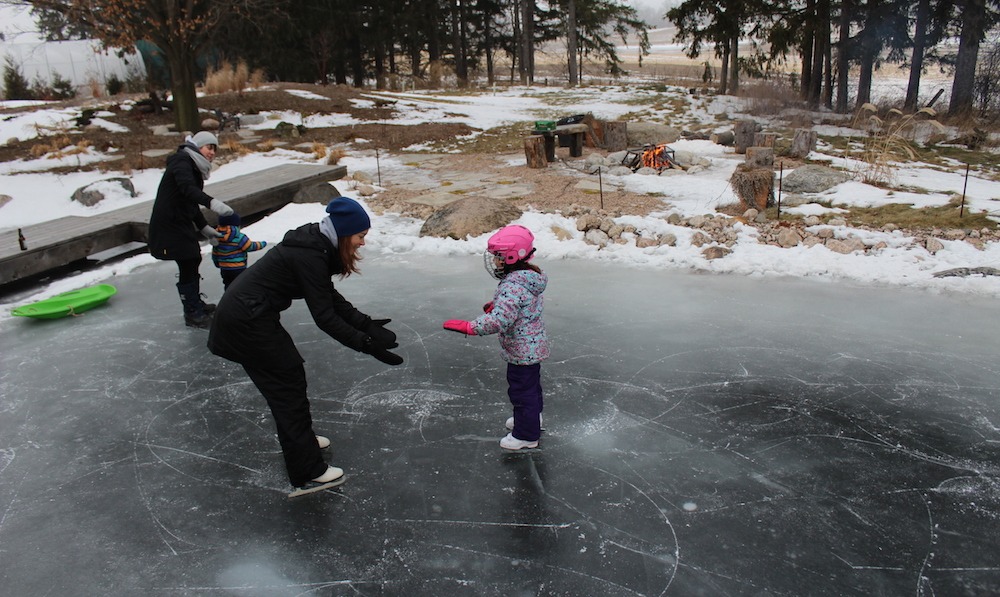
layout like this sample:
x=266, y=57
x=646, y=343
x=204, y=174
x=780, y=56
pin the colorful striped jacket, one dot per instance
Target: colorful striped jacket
x=231, y=252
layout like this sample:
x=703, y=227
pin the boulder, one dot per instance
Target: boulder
x=471, y=216
x=595, y=236
x=96, y=192
x=641, y=133
x=715, y=252
x=812, y=179
x=317, y=193
x=287, y=130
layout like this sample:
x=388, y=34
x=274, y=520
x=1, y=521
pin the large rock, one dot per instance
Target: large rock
x=317, y=193
x=471, y=216
x=96, y=192
x=641, y=133
x=812, y=179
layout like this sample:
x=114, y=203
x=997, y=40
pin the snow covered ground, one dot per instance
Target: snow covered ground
x=38, y=195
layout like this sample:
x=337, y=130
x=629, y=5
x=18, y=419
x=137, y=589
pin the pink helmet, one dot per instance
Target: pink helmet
x=513, y=243
x=510, y=244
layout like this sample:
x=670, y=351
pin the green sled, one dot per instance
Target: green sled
x=68, y=303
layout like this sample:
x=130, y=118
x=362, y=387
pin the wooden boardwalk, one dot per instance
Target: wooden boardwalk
x=64, y=240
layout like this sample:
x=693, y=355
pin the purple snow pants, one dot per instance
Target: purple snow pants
x=525, y=390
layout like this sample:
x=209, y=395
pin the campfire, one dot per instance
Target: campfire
x=658, y=157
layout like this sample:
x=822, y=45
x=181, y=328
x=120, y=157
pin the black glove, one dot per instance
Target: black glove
x=376, y=329
x=380, y=350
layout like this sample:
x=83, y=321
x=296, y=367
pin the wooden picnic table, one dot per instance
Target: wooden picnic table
x=38, y=248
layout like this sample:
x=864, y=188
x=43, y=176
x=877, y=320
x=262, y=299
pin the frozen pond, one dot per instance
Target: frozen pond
x=706, y=435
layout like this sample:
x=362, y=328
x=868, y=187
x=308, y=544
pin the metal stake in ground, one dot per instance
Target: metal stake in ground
x=965, y=185
x=781, y=173
x=600, y=186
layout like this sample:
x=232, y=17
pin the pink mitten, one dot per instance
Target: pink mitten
x=488, y=307
x=460, y=326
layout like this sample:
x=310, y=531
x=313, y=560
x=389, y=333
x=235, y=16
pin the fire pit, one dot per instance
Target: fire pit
x=658, y=157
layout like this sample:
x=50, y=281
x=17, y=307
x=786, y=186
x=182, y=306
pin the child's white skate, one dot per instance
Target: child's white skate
x=509, y=424
x=509, y=442
x=331, y=478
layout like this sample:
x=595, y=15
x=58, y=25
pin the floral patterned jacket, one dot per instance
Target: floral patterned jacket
x=517, y=317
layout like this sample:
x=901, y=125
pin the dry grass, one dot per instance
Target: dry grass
x=235, y=147
x=334, y=156
x=229, y=77
x=768, y=98
x=58, y=147
x=906, y=216
x=888, y=141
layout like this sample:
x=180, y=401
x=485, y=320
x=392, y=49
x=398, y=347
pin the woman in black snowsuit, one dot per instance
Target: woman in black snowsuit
x=177, y=225
x=246, y=328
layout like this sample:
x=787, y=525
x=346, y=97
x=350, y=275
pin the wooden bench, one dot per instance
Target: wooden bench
x=569, y=135
x=572, y=136
x=62, y=241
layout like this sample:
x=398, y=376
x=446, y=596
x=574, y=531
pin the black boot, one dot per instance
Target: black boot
x=209, y=308
x=194, y=309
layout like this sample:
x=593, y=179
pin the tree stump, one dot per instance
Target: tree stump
x=760, y=157
x=803, y=143
x=753, y=186
x=724, y=138
x=594, y=136
x=744, y=132
x=764, y=139
x=534, y=151
x=615, y=135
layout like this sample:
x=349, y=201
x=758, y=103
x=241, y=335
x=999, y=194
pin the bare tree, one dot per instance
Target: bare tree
x=181, y=29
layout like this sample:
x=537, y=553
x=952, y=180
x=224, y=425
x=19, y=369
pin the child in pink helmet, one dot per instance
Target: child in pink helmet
x=516, y=314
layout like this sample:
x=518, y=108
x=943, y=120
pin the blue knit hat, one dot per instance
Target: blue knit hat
x=347, y=216
x=232, y=219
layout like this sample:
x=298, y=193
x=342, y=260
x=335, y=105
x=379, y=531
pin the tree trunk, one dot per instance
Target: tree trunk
x=808, y=47
x=753, y=186
x=803, y=142
x=744, y=132
x=865, y=78
x=527, y=69
x=917, y=59
x=571, y=42
x=488, y=42
x=182, y=68
x=764, y=139
x=734, y=64
x=459, y=41
x=828, y=70
x=724, y=72
x=760, y=157
x=534, y=151
x=615, y=135
x=843, y=55
x=973, y=29
x=723, y=138
x=820, y=41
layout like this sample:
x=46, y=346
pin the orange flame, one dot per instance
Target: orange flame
x=658, y=157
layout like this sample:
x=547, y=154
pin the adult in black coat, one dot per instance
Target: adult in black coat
x=246, y=328
x=177, y=225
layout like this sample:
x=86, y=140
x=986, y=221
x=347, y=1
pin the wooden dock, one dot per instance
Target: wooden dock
x=62, y=241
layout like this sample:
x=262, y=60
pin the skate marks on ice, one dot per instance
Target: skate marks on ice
x=874, y=463
x=679, y=458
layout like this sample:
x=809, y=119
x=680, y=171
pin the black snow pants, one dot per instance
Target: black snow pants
x=285, y=392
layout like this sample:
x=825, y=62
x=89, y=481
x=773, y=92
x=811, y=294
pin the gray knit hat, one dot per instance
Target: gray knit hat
x=204, y=138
